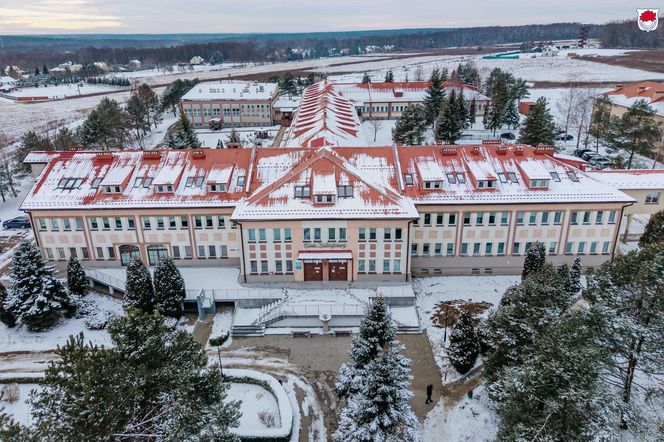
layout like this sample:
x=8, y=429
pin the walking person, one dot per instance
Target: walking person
x=429, y=393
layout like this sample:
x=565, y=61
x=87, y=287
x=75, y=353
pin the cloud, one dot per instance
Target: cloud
x=55, y=16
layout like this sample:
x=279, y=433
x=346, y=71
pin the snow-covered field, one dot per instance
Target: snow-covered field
x=63, y=90
x=211, y=138
x=20, y=339
x=255, y=399
x=20, y=410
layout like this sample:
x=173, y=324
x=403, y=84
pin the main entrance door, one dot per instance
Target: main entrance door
x=313, y=270
x=338, y=270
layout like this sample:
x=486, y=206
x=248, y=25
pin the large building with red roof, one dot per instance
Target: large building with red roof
x=323, y=213
x=622, y=97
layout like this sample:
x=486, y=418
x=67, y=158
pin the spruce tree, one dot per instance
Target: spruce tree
x=539, y=127
x=389, y=76
x=77, y=282
x=153, y=381
x=512, y=117
x=139, y=291
x=216, y=58
x=137, y=116
x=184, y=136
x=169, y=289
x=464, y=344
x=434, y=97
x=366, y=78
x=6, y=317
x=635, y=132
x=654, y=231
x=36, y=297
x=535, y=259
x=564, y=274
x=411, y=126
x=575, y=276
x=234, y=137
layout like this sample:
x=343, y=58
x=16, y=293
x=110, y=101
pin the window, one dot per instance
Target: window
x=55, y=226
x=241, y=181
x=451, y=178
x=599, y=217
x=433, y=184
x=254, y=267
x=582, y=247
x=408, y=178
x=586, y=217
x=545, y=218
x=262, y=235
x=278, y=267
x=519, y=218
x=95, y=183
x=539, y=184
x=466, y=219
x=176, y=252
x=100, y=252
x=251, y=235
x=553, y=246
x=345, y=191
x=450, y=249
x=49, y=253
x=502, y=177
x=160, y=223
x=331, y=234
x=42, y=224
x=317, y=234
x=61, y=253
x=427, y=219
x=413, y=249
x=557, y=218
x=572, y=176
x=461, y=179
x=501, y=248
x=325, y=199
x=342, y=234
x=72, y=252
x=593, y=247
x=217, y=187
x=476, y=248
x=144, y=182
x=386, y=266
x=212, y=252
x=451, y=220
x=112, y=189
x=172, y=224
x=164, y=188
x=118, y=223
x=575, y=218
x=66, y=224
x=360, y=266
x=438, y=249
x=372, y=266
x=612, y=217
x=653, y=198
x=605, y=247
x=361, y=234
x=439, y=219
x=194, y=181
x=532, y=220
x=131, y=225
x=201, y=251
x=302, y=191
x=568, y=248
x=515, y=248
x=425, y=249
x=488, y=248
x=387, y=234
x=224, y=251
x=479, y=219
x=276, y=235
x=106, y=223
x=492, y=219
x=512, y=177
x=396, y=266
x=372, y=234
x=485, y=184
x=127, y=253
x=156, y=252
x=555, y=177
x=464, y=249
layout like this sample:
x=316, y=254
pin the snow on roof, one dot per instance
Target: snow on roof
x=534, y=170
x=407, y=92
x=220, y=173
x=430, y=170
x=630, y=178
x=650, y=91
x=324, y=118
x=230, y=90
x=324, y=184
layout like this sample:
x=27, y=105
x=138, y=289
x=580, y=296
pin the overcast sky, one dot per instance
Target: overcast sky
x=183, y=16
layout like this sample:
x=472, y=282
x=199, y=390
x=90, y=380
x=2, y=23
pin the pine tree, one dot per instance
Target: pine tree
x=169, y=288
x=600, y=119
x=389, y=76
x=6, y=317
x=535, y=259
x=184, y=136
x=137, y=116
x=411, y=126
x=434, y=97
x=464, y=345
x=575, y=276
x=152, y=381
x=629, y=291
x=106, y=126
x=36, y=296
x=65, y=138
x=654, y=231
x=366, y=78
x=77, y=282
x=635, y=132
x=216, y=58
x=539, y=127
x=472, y=114
x=287, y=85
x=234, y=137
x=139, y=291
x=151, y=104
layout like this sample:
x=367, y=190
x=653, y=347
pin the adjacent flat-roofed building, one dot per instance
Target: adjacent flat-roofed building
x=388, y=100
x=231, y=103
x=323, y=213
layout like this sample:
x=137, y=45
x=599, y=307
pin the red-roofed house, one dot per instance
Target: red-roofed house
x=622, y=97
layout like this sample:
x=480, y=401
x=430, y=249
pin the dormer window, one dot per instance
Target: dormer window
x=164, y=188
x=408, y=178
x=456, y=178
x=433, y=184
x=345, y=191
x=512, y=177
x=539, y=184
x=194, y=181
x=486, y=184
x=217, y=187
x=112, y=189
x=302, y=191
x=325, y=199
x=240, y=181
x=555, y=177
x=502, y=177
x=509, y=177
x=572, y=176
x=144, y=182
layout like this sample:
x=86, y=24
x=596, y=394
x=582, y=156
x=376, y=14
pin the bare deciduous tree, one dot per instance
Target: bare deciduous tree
x=376, y=126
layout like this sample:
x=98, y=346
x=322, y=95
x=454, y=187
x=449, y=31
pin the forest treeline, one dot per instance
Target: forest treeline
x=159, y=50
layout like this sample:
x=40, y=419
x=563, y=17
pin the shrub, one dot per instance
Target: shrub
x=11, y=393
x=267, y=418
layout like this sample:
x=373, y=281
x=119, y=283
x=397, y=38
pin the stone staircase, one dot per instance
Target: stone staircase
x=248, y=330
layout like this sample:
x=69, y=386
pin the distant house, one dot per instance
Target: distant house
x=134, y=64
x=196, y=60
x=101, y=66
x=550, y=51
x=7, y=84
x=623, y=97
x=14, y=72
x=525, y=106
x=58, y=72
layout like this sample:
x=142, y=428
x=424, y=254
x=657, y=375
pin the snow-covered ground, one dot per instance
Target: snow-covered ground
x=63, y=90
x=222, y=323
x=10, y=208
x=20, y=339
x=431, y=291
x=210, y=138
x=255, y=399
x=20, y=410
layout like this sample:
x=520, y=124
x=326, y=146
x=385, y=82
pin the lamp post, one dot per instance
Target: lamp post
x=218, y=342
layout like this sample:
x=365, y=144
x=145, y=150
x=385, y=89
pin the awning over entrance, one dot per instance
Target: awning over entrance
x=326, y=254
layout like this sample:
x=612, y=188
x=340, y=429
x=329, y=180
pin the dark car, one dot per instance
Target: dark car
x=508, y=136
x=588, y=155
x=20, y=222
x=580, y=152
x=564, y=137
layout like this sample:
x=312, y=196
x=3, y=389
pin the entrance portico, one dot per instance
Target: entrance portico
x=327, y=265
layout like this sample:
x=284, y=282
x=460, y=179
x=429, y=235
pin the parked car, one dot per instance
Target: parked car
x=508, y=136
x=564, y=137
x=588, y=155
x=600, y=162
x=20, y=222
x=579, y=152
